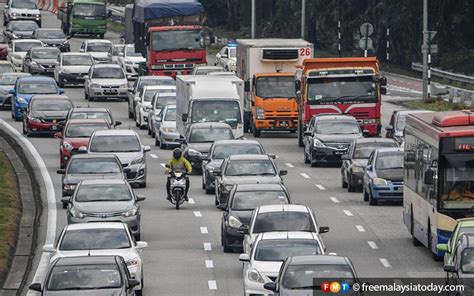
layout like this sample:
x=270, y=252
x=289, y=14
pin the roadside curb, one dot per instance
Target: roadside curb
x=29, y=191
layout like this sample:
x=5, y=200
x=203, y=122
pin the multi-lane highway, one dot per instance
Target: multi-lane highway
x=184, y=256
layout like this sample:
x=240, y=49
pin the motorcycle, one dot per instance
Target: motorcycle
x=177, y=187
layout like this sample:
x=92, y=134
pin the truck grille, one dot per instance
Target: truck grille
x=177, y=66
x=279, y=54
x=360, y=114
x=281, y=115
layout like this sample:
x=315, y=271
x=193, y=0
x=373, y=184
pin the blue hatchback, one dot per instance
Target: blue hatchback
x=27, y=87
x=383, y=177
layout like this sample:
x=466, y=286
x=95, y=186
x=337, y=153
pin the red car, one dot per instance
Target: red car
x=3, y=47
x=46, y=114
x=77, y=133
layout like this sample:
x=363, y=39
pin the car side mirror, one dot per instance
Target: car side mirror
x=247, y=86
x=86, y=76
x=117, y=123
x=383, y=90
x=184, y=117
x=383, y=81
x=217, y=173
x=307, y=133
x=109, y=14
x=323, y=229
x=35, y=287
x=182, y=141
x=133, y=283
x=244, y=257
x=146, y=148
x=11, y=91
x=136, y=99
x=450, y=268
x=6, y=6
x=223, y=56
x=365, y=133
x=271, y=286
x=272, y=156
x=82, y=149
x=141, y=245
x=345, y=157
x=244, y=230
x=58, y=135
x=127, y=170
x=283, y=173
x=130, y=89
x=442, y=247
x=389, y=128
x=369, y=167
x=61, y=91
x=429, y=177
x=221, y=206
x=61, y=171
x=49, y=249
x=139, y=197
x=66, y=199
x=158, y=119
x=297, y=86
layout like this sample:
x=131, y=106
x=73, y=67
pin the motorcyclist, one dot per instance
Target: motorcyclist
x=177, y=162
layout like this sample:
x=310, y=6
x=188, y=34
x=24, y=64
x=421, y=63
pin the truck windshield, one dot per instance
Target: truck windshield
x=275, y=87
x=175, y=40
x=216, y=111
x=456, y=172
x=341, y=89
x=88, y=10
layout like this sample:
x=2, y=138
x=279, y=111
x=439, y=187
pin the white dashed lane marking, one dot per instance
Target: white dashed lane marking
x=334, y=200
x=204, y=230
x=207, y=247
x=153, y=155
x=289, y=165
x=212, y=285
x=163, y=164
x=348, y=213
x=360, y=228
x=305, y=176
x=373, y=245
x=320, y=187
x=385, y=262
x=197, y=214
x=191, y=201
x=209, y=264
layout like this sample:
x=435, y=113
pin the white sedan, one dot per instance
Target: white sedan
x=143, y=102
x=18, y=49
x=271, y=249
x=98, y=239
x=227, y=58
x=129, y=60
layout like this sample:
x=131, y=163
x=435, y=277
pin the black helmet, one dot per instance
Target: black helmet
x=177, y=153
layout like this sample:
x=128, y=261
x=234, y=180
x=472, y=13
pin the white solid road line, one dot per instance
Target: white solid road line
x=320, y=187
x=373, y=245
x=191, y=201
x=334, y=200
x=207, y=247
x=212, y=285
x=197, y=214
x=360, y=228
x=51, y=203
x=204, y=230
x=209, y=264
x=305, y=176
x=153, y=155
x=289, y=165
x=385, y=262
x=348, y=213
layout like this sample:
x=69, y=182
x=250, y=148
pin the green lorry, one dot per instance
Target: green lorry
x=87, y=17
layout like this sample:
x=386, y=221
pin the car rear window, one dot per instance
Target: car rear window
x=279, y=250
x=283, y=221
x=247, y=201
x=95, y=239
x=95, y=166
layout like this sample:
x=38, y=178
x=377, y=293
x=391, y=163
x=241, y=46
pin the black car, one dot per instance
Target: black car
x=219, y=151
x=243, y=199
x=20, y=30
x=199, y=139
x=53, y=37
x=306, y=275
x=98, y=275
x=93, y=113
x=328, y=137
x=461, y=271
x=355, y=161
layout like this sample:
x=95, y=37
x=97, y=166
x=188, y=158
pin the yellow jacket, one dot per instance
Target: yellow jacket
x=181, y=163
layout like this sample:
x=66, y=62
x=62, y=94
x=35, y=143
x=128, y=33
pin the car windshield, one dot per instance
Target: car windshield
x=37, y=88
x=283, y=221
x=10, y=78
x=84, y=277
x=53, y=105
x=92, y=115
x=24, y=26
x=95, y=239
x=25, y=46
x=176, y=40
x=225, y=150
x=89, y=10
x=24, y=4
x=216, y=111
x=157, y=81
x=77, y=60
x=115, y=143
x=262, y=167
x=99, y=47
x=45, y=53
x=95, y=166
x=275, y=87
x=170, y=114
x=311, y=277
x=205, y=71
x=363, y=150
x=130, y=52
x=207, y=135
x=389, y=160
x=108, y=73
x=83, y=130
x=279, y=250
x=337, y=127
x=467, y=260
x=51, y=34
x=248, y=201
x=103, y=192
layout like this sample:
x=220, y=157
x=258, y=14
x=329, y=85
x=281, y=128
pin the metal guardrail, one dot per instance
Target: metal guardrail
x=444, y=74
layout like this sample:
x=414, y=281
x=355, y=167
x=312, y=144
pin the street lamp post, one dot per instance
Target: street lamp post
x=424, y=50
x=303, y=17
x=253, y=19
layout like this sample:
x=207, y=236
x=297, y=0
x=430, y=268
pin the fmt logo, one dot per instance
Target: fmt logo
x=335, y=287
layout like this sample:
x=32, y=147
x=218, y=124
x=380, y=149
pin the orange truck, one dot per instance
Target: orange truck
x=267, y=67
x=351, y=86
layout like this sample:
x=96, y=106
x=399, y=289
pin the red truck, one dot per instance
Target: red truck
x=351, y=86
x=169, y=33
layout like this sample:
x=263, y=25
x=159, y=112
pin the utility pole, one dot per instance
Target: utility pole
x=253, y=19
x=424, y=50
x=303, y=17
x=339, y=33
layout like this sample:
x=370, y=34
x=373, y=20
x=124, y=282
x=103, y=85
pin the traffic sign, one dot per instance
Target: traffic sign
x=366, y=29
x=431, y=35
x=365, y=43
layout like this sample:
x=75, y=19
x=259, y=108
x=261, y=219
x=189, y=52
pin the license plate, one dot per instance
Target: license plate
x=54, y=127
x=339, y=152
x=400, y=189
x=283, y=123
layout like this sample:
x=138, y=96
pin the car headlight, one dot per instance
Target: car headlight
x=76, y=214
x=380, y=182
x=67, y=146
x=132, y=212
x=234, y=222
x=21, y=100
x=32, y=119
x=228, y=187
x=132, y=262
x=16, y=56
x=69, y=187
x=169, y=129
x=357, y=169
x=93, y=85
x=192, y=152
x=255, y=276
x=125, y=85
x=318, y=143
x=137, y=160
x=260, y=113
x=14, y=35
x=38, y=15
x=14, y=14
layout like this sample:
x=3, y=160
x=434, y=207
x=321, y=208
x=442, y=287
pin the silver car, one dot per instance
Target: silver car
x=15, y=10
x=105, y=201
x=71, y=68
x=159, y=101
x=41, y=60
x=100, y=50
x=105, y=81
x=167, y=134
x=126, y=145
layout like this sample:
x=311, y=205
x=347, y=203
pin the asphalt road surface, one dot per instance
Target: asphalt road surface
x=184, y=256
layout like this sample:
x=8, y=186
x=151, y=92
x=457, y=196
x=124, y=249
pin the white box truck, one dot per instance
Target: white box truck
x=209, y=99
x=268, y=67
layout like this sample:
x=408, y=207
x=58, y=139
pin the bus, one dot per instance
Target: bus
x=439, y=175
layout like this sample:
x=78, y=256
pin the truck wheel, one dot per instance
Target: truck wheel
x=300, y=139
x=101, y=36
x=256, y=132
x=246, y=127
